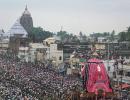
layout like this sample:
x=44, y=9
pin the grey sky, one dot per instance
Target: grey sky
x=74, y=15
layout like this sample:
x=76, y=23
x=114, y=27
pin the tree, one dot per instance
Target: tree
x=125, y=36
x=84, y=38
x=63, y=35
x=75, y=39
x=80, y=34
x=112, y=35
x=38, y=34
x=122, y=36
x=128, y=34
x=34, y=33
x=106, y=34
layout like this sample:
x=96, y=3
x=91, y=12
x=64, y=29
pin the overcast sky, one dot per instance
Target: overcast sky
x=87, y=16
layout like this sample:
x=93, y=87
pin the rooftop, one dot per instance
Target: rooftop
x=17, y=29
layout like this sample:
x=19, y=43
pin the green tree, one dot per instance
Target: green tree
x=122, y=36
x=128, y=34
x=112, y=35
x=125, y=36
x=38, y=34
x=80, y=34
x=84, y=38
x=63, y=35
x=106, y=34
x=75, y=39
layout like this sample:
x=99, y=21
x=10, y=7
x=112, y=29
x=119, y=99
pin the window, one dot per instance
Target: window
x=121, y=72
x=109, y=68
x=60, y=58
x=128, y=74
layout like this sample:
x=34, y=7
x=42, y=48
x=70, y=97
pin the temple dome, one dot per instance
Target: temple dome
x=26, y=12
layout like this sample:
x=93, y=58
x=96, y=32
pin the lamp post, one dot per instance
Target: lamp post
x=1, y=40
x=122, y=61
x=108, y=67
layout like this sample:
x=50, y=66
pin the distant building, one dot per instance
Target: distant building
x=17, y=30
x=56, y=55
x=82, y=37
x=101, y=39
x=51, y=40
x=125, y=74
x=74, y=61
x=41, y=53
x=38, y=52
x=3, y=35
x=124, y=49
x=23, y=54
x=68, y=48
x=18, y=36
x=34, y=52
x=4, y=40
x=26, y=20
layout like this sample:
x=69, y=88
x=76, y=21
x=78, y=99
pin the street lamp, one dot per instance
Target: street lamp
x=122, y=61
x=108, y=67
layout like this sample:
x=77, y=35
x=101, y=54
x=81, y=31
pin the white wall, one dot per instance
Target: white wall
x=51, y=53
x=23, y=53
x=32, y=55
x=56, y=54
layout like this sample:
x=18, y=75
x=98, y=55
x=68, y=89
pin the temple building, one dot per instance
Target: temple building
x=4, y=41
x=17, y=30
x=18, y=33
x=18, y=36
x=26, y=20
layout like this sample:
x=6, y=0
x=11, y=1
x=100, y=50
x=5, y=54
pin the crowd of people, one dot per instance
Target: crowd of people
x=33, y=81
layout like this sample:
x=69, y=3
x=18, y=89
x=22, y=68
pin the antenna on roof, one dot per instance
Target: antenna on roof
x=3, y=30
x=61, y=28
x=26, y=8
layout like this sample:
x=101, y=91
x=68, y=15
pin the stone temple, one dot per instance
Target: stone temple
x=20, y=30
x=17, y=30
x=26, y=20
